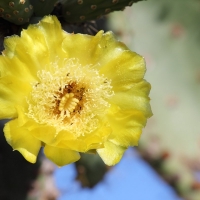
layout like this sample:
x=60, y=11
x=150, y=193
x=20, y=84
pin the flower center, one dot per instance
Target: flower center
x=72, y=97
x=68, y=104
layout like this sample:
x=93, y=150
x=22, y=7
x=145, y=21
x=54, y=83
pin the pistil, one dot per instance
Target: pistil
x=68, y=104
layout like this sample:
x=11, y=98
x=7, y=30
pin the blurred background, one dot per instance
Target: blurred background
x=166, y=164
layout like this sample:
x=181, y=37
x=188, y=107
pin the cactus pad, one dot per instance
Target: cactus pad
x=76, y=11
x=16, y=11
x=43, y=7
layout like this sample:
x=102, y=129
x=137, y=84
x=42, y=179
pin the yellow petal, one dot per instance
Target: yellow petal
x=60, y=156
x=87, y=142
x=44, y=133
x=52, y=29
x=10, y=44
x=126, y=126
x=12, y=93
x=75, y=44
x=65, y=139
x=7, y=110
x=111, y=154
x=20, y=140
x=128, y=68
x=100, y=48
x=33, y=47
x=14, y=89
x=135, y=97
x=16, y=67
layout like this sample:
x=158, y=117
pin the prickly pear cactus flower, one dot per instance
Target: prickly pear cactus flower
x=71, y=93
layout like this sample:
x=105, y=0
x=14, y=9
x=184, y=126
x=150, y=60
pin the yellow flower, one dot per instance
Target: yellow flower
x=71, y=93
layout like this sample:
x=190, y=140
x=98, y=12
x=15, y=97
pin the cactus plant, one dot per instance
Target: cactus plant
x=18, y=14
x=15, y=11
x=43, y=7
x=83, y=10
x=72, y=11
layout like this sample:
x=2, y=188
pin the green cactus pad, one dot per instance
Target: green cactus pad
x=16, y=11
x=76, y=11
x=43, y=7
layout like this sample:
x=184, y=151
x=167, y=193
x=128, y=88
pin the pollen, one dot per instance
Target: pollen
x=70, y=97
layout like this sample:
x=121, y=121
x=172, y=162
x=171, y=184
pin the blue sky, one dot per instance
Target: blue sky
x=131, y=179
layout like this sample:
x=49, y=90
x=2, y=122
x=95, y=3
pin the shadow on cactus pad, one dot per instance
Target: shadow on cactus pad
x=16, y=174
x=90, y=170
